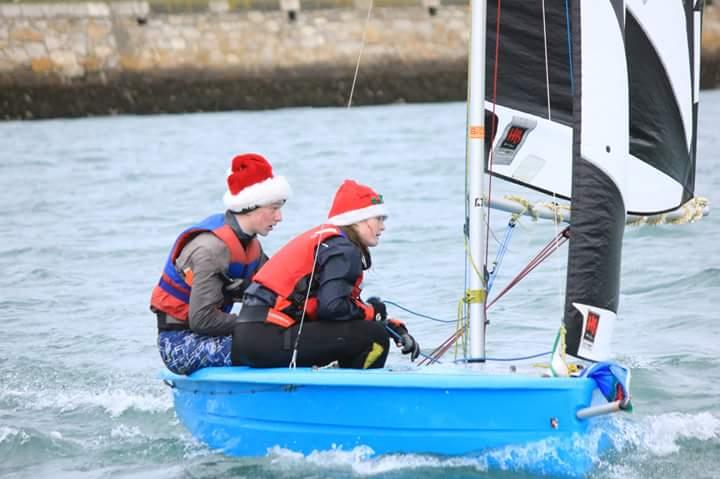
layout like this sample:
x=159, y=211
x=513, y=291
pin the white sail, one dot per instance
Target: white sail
x=662, y=40
x=533, y=113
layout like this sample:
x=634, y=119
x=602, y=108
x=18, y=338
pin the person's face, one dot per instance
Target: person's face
x=264, y=218
x=369, y=230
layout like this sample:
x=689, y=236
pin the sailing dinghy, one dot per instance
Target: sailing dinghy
x=596, y=104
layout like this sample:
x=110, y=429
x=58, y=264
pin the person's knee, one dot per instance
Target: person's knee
x=379, y=345
x=378, y=333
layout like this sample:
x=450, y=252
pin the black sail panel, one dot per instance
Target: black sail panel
x=521, y=72
x=657, y=132
x=531, y=100
x=595, y=248
x=598, y=208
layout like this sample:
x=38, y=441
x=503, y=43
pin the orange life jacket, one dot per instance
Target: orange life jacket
x=287, y=274
x=172, y=293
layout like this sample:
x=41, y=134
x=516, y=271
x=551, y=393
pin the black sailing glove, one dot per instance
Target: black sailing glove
x=379, y=308
x=234, y=289
x=403, y=338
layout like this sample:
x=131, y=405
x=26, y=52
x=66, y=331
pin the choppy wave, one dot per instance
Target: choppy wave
x=660, y=435
x=113, y=402
x=10, y=433
x=706, y=278
x=639, y=438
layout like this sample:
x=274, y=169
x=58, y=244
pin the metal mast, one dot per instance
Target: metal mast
x=475, y=152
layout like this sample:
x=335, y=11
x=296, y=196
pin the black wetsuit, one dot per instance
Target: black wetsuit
x=340, y=332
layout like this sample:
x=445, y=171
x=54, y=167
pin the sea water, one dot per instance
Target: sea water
x=89, y=208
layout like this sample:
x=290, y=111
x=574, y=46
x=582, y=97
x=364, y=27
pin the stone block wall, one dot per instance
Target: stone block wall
x=58, y=60
x=711, y=47
x=121, y=57
x=45, y=43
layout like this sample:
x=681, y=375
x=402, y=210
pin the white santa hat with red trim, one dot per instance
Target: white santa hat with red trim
x=250, y=183
x=353, y=203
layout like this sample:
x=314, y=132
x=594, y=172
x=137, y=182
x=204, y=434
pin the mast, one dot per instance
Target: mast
x=475, y=160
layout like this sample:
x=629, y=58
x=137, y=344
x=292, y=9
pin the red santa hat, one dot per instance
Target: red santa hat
x=251, y=184
x=353, y=203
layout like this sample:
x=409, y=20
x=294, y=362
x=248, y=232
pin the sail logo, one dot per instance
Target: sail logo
x=591, y=326
x=515, y=134
x=593, y=336
x=514, y=137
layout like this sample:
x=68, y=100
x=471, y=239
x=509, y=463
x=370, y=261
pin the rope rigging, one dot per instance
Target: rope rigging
x=362, y=48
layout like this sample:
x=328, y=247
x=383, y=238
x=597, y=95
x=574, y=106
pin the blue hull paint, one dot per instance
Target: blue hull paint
x=244, y=412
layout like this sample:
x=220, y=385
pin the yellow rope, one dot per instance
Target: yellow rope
x=470, y=296
x=525, y=204
x=691, y=212
x=556, y=209
x=472, y=263
x=558, y=352
x=656, y=219
x=638, y=222
x=462, y=323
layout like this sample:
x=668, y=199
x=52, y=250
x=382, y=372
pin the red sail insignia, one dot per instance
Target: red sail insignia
x=591, y=325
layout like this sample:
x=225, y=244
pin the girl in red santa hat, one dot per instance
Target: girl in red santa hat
x=211, y=264
x=304, y=307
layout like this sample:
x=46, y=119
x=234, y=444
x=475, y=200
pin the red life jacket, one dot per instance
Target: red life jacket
x=287, y=274
x=172, y=293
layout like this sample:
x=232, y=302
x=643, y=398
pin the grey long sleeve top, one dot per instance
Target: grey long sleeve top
x=208, y=258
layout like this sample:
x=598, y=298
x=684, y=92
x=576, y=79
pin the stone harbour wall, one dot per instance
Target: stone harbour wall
x=121, y=57
x=710, y=63
x=100, y=58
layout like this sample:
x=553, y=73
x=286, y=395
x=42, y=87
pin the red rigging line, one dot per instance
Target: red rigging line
x=544, y=253
x=496, y=68
x=541, y=256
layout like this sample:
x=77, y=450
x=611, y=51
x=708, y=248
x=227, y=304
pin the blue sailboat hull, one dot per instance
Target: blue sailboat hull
x=244, y=412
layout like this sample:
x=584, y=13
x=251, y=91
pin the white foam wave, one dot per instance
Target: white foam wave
x=114, y=401
x=660, y=435
x=554, y=455
x=124, y=432
x=362, y=462
x=650, y=435
x=9, y=433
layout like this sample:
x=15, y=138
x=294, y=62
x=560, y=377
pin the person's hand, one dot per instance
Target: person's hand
x=234, y=290
x=379, y=308
x=410, y=346
x=404, y=339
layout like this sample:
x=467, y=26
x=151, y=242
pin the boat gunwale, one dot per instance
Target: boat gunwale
x=381, y=378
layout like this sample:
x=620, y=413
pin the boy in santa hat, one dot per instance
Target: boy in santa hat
x=211, y=264
x=304, y=307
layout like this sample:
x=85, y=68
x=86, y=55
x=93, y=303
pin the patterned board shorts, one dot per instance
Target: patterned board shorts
x=184, y=352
